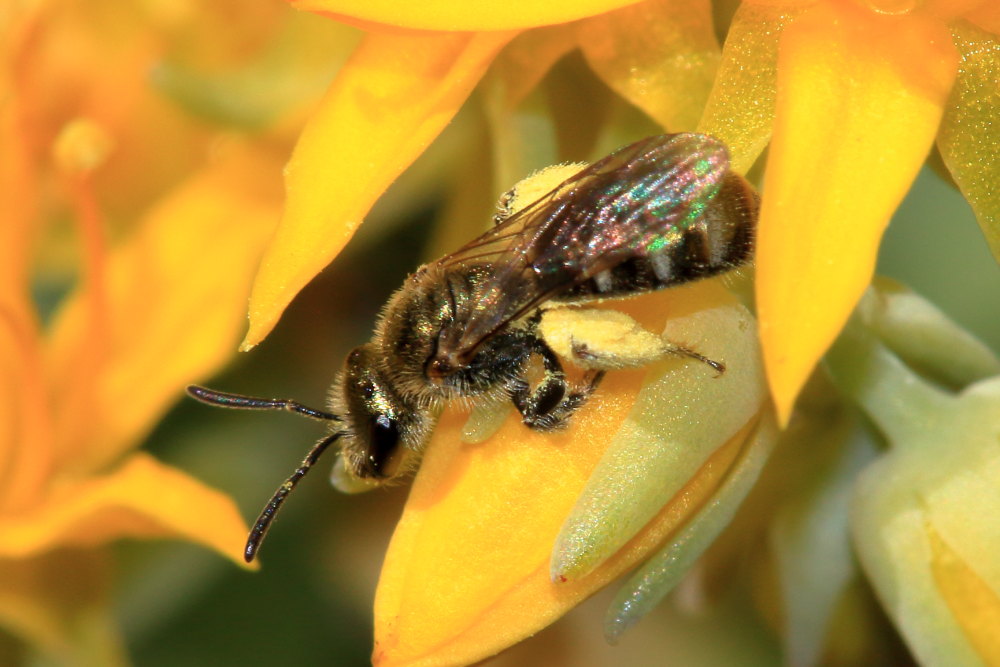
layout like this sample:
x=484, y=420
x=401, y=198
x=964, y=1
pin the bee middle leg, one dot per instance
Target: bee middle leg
x=548, y=406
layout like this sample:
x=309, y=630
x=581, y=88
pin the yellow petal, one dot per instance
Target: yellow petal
x=174, y=299
x=974, y=603
x=660, y=55
x=859, y=99
x=740, y=109
x=467, y=573
x=142, y=498
x=521, y=125
x=389, y=102
x=970, y=130
x=484, y=15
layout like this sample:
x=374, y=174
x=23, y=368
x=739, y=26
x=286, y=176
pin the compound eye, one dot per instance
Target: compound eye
x=383, y=452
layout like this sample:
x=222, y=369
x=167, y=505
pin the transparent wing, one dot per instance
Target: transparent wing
x=637, y=200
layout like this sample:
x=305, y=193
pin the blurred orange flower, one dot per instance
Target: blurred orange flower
x=131, y=229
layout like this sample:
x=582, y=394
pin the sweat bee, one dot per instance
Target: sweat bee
x=663, y=211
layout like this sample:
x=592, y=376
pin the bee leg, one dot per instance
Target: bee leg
x=550, y=404
x=609, y=340
x=505, y=206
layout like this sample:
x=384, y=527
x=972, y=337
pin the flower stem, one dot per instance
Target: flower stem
x=900, y=402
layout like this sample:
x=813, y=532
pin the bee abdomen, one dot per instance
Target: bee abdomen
x=684, y=263
x=721, y=240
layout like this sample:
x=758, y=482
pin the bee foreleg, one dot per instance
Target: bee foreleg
x=553, y=400
x=608, y=340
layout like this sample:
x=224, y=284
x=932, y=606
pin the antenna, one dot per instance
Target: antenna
x=241, y=402
x=263, y=523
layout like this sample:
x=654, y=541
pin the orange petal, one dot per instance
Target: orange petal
x=24, y=415
x=740, y=109
x=23, y=411
x=468, y=570
x=859, y=100
x=970, y=131
x=660, y=55
x=175, y=294
x=143, y=498
x=389, y=102
x=485, y=15
x=18, y=191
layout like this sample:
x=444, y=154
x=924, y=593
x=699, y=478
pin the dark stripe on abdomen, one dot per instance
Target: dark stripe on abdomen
x=721, y=240
x=690, y=259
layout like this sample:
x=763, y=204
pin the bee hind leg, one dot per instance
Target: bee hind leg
x=609, y=340
x=549, y=405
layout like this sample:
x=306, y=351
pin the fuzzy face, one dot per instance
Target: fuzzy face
x=391, y=390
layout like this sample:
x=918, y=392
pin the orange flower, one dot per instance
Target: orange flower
x=158, y=301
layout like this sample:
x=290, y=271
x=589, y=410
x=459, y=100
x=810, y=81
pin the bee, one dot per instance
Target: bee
x=660, y=212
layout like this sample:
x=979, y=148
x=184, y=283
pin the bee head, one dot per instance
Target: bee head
x=382, y=431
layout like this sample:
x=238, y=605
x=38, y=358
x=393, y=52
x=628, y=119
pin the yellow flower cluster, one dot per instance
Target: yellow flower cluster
x=848, y=97
x=129, y=136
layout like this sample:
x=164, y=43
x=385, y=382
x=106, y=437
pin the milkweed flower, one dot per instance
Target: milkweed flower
x=111, y=299
x=848, y=97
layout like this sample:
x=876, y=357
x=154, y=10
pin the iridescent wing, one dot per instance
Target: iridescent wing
x=633, y=203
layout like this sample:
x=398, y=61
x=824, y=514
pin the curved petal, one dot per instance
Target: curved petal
x=859, y=99
x=970, y=130
x=142, y=498
x=468, y=570
x=484, y=15
x=23, y=414
x=647, y=587
x=22, y=401
x=679, y=419
x=970, y=598
x=740, y=108
x=394, y=96
x=174, y=298
x=18, y=190
x=660, y=55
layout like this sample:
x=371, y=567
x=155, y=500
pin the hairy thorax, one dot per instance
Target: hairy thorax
x=420, y=319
